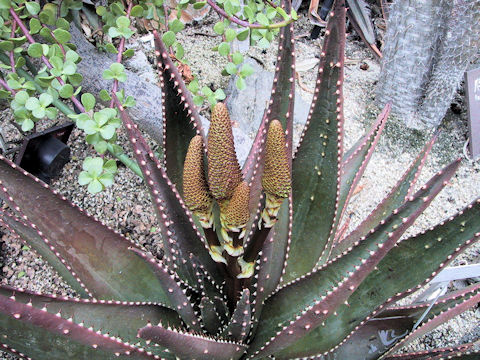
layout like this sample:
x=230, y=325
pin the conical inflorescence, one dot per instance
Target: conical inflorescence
x=224, y=172
x=195, y=188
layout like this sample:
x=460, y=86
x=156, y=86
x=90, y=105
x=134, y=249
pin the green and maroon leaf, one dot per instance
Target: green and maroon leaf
x=379, y=334
x=30, y=236
x=175, y=289
x=179, y=233
x=42, y=335
x=181, y=121
x=395, y=279
x=463, y=351
x=210, y=318
x=239, y=326
x=117, y=318
x=95, y=254
x=357, y=159
x=272, y=261
x=302, y=305
x=394, y=199
x=191, y=346
x=317, y=163
x=472, y=299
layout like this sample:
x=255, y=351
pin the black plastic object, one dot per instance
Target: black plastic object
x=45, y=154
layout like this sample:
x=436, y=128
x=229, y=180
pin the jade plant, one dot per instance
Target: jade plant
x=257, y=262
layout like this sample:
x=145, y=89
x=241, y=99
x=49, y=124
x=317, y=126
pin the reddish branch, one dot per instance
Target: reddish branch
x=30, y=39
x=121, y=49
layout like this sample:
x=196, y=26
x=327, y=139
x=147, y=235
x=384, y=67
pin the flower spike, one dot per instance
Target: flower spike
x=195, y=188
x=224, y=173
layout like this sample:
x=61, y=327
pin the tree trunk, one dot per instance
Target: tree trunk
x=428, y=46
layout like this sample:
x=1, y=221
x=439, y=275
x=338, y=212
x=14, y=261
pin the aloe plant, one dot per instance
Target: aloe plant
x=256, y=264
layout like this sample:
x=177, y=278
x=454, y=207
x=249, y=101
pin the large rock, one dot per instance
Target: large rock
x=141, y=83
x=246, y=107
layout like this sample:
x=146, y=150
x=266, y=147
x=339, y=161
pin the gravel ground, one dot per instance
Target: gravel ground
x=126, y=205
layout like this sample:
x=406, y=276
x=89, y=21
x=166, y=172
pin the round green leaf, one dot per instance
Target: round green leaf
x=66, y=91
x=128, y=53
x=219, y=94
x=237, y=58
x=240, y=83
x=45, y=99
x=32, y=103
x=262, y=19
x=93, y=165
x=224, y=49
x=231, y=68
x=198, y=100
x=246, y=70
x=199, y=5
x=230, y=34
x=35, y=50
x=34, y=25
x=62, y=36
x=219, y=28
x=21, y=97
x=5, y=4
x=6, y=45
x=27, y=125
x=168, y=38
x=95, y=186
x=107, y=131
x=243, y=35
x=136, y=11
x=110, y=166
x=176, y=26
x=84, y=178
x=104, y=95
x=32, y=7
x=88, y=101
x=122, y=22
x=101, y=147
x=106, y=179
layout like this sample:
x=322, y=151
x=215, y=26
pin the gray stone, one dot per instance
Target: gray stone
x=140, y=84
x=246, y=107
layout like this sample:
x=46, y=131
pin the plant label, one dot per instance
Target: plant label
x=472, y=85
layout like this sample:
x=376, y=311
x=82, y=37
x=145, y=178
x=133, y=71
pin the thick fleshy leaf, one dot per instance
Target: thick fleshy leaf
x=394, y=199
x=36, y=242
x=42, y=335
x=299, y=307
x=181, y=121
x=357, y=159
x=210, y=318
x=471, y=300
x=271, y=262
x=359, y=15
x=179, y=233
x=190, y=346
x=391, y=282
x=175, y=289
x=239, y=326
x=96, y=255
x=317, y=163
x=117, y=318
x=379, y=334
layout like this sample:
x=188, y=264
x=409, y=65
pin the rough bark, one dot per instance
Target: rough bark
x=428, y=45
